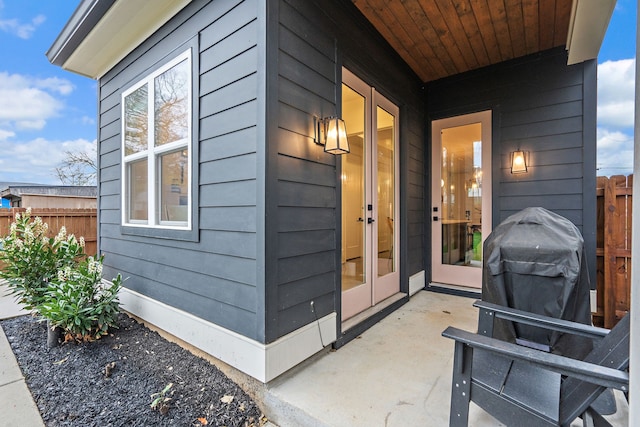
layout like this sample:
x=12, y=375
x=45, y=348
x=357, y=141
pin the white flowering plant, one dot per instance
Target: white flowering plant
x=30, y=259
x=80, y=302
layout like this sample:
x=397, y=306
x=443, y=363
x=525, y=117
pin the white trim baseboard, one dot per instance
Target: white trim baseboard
x=416, y=282
x=262, y=362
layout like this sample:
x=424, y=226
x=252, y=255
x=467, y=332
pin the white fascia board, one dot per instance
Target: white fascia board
x=124, y=27
x=263, y=362
x=587, y=27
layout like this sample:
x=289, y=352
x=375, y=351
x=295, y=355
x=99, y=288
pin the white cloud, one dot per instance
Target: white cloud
x=615, y=153
x=5, y=134
x=20, y=29
x=86, y=120
x=35, y=160
x=55, y=84
x=616, y=93
x=616, y=104
x=27, y=103
x=30, y=124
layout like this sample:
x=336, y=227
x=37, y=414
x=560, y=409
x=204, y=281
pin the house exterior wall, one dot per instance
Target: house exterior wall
x=543, y=106
x=308, y=50
x=266, y=232
x=211, y=272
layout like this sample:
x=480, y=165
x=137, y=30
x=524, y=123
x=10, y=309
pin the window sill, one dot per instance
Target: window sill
x=161, y=233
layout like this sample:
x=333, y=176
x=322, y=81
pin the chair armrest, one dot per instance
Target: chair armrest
x=585, y=371
x=520, y=316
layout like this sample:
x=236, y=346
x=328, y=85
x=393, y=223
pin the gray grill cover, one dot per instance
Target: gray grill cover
x=534, y=261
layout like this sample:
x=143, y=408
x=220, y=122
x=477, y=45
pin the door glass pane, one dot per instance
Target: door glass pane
x=353, y=191
x=138, y=191
x=461, y=188
x=386, y=191
x=174, y=196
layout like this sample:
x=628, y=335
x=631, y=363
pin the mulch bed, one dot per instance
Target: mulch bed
x=72, y=387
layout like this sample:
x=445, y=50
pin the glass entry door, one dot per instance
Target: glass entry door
x=370, y=210
x=461, y=205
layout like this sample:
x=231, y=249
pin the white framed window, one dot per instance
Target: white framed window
x=156, y=148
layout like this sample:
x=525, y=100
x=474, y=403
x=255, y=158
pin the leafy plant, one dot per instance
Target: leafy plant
x=80, y=302
x=161, y=400
x=31, y=259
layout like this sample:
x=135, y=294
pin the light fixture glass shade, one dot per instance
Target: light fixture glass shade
x=336, y=136
x=518, y=162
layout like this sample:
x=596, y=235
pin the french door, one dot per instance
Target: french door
x=461, y=205
x=370, y=194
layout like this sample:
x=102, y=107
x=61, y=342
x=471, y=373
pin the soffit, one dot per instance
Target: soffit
x=125, y=25
x=437, y=38
x=440, y=38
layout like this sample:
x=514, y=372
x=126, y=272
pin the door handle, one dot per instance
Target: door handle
x=360, y=219
x=370, y=220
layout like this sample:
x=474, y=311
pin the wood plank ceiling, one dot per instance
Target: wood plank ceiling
x=440, y=38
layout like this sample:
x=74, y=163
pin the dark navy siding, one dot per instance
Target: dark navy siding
x=267, y=233
x=303, y=200
x=213, y=275
x=547, y=108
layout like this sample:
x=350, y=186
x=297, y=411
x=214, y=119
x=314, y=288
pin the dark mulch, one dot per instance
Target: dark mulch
x=70, y=387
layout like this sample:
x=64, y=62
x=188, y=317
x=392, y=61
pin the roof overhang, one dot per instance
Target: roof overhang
x=587, y=27
x=101, y=33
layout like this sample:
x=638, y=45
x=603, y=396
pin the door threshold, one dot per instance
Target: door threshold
x=463, y=291
x=370, y=312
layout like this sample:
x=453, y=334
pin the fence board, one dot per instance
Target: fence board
x=80, y=222
x=613, y=238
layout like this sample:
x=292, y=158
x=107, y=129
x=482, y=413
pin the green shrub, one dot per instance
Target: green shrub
x=80, y=302
x=31, y=259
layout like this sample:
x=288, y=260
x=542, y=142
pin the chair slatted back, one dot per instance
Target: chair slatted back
x=612, y=352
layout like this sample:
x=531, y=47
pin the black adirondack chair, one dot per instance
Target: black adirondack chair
x=521, y=386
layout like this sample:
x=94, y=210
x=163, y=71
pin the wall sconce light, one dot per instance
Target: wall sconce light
x=519, y=161
x=332, y=133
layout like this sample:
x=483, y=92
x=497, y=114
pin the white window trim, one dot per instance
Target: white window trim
x=153, y=153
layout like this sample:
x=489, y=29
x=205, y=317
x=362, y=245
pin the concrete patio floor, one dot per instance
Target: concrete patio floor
x=398, y=373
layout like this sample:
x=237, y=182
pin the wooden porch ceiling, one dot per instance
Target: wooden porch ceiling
x=440, y=38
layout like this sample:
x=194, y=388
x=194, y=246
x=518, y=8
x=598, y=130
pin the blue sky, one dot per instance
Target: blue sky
x=45, y=111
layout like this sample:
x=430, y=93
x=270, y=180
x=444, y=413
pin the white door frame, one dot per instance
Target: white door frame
x=374, y=289
x=452, y=274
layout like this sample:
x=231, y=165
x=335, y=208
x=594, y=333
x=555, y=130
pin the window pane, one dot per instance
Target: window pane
x=136, y=121
x=138, y=191
x=172, y=104
x=174, y=179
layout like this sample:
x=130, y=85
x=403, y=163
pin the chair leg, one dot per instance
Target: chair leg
x=461, y=386
x=592, y=418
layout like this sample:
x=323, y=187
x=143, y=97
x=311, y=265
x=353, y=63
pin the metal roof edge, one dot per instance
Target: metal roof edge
x=84, y=19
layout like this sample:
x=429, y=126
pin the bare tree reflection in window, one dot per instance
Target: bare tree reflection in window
x=136, y=121
x=172, y=104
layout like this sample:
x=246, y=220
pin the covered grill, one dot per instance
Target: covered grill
x=535, y=261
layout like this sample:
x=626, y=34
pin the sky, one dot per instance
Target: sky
x=45, y=111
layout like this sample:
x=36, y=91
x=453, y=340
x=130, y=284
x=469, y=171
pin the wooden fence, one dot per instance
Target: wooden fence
x=80, y=222
x=613, y=237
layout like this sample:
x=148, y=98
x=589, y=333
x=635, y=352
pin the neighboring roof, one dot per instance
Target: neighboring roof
x=6, y=184
x=437, y=39
x=101, y=33
x=49, y=190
